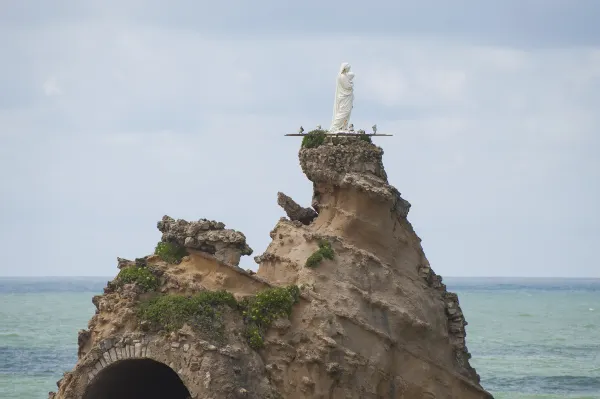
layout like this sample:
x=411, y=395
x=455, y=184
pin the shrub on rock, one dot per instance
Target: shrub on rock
x=324, y=252
x=170, y=252
x=201, y=311
x=264, y=308
x=138, y=275
x=314, y=138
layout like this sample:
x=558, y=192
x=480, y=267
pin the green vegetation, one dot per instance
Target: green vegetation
x=170, y=252
x=365, y=137
x=171, y=312
x=138, y=275
x=314, y=138
x=324, y=252
x=264, y=308
x=201, y=311
x=254, y=336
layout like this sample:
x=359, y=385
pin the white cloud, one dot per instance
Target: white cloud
x=161, y=121
x=52, y=87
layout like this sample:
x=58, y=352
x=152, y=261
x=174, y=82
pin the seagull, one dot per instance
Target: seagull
x=318, y=127
x=301, y=130
x=375, y=129
x=351, y=127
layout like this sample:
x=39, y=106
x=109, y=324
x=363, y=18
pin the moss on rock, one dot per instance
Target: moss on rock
x=324, y=252
x=316, y=138
x=201, y=311
x=365, y=137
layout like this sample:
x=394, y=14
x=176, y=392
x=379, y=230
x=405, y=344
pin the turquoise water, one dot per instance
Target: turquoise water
x=529, y=338
x=533, y=338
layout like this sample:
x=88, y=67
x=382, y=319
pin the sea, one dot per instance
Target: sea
x=529, y=338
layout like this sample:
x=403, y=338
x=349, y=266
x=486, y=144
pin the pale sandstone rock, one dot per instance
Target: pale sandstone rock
x=377, y=300
x=373, y=322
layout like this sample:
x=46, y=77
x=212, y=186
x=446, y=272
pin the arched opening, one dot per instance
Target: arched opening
x=137, y=379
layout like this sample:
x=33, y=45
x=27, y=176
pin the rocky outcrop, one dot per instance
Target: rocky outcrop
x=349, y=163
x=118, y=342
x=377, y=301
x=206, y=236
x=456, y=321
x=372, y=319
x=295, y=211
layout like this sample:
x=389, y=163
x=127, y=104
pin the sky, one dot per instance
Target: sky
x=115, y=113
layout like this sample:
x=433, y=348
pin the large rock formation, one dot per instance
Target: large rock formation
x=372, y=319
x=388, y=323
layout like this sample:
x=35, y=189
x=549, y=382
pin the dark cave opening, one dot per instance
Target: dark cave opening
x=137, y=379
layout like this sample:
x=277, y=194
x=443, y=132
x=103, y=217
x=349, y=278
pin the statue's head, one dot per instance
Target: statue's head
x=345, y=67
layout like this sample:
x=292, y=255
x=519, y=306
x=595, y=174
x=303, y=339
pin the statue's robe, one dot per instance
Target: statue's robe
x=344, y=97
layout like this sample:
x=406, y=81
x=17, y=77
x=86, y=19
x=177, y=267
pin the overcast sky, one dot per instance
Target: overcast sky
x=115, y=114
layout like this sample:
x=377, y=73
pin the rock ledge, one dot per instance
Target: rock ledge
x=206, y=236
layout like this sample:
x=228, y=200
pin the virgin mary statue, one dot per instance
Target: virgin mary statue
x=344, y=97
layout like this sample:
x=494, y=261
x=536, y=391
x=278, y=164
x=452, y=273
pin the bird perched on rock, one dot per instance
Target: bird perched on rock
x=351, y=127
x=374, y=128
x=301, y=130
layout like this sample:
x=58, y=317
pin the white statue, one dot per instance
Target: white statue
x=344, y=97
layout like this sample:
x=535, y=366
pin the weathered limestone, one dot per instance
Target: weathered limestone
x=373, y=321
x=207, y=236
x=295, y=211
x=376, y=314
x=116, y=335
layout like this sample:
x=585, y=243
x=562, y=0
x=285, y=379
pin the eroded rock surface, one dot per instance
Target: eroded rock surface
x=208, y=366
x=378, y=312
x=373, y=319
x=295, y=211
x=206, y=236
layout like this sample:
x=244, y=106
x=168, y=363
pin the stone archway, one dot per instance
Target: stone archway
x=136, y=379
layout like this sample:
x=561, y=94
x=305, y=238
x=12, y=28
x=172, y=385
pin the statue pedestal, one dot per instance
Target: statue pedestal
x=346, y=134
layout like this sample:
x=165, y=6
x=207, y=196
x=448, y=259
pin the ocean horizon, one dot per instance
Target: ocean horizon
x=530, y=337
